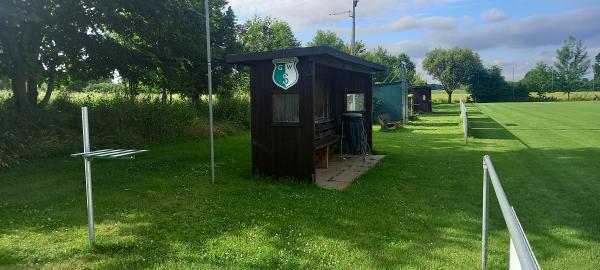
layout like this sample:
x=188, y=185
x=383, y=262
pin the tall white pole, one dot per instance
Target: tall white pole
x=88, y=174
x=210, y=101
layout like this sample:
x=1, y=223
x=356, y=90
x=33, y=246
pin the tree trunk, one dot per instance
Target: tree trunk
x=132, y=90
x=449, y=96
x=164, y=96
x=19, y=88
x=568, y=95
x=50, y=88
x=32, y=91
x=196, y=100
x=18, y=78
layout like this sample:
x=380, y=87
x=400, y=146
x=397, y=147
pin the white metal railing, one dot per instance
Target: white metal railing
x=521, y=255
x=464, y=116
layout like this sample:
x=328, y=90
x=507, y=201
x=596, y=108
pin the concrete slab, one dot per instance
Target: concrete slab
x=342, y=172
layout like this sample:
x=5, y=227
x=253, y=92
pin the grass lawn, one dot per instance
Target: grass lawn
x=419, y=208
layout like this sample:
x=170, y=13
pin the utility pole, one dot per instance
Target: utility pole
x=351, y=14
x=513, y=84
x=354, y=3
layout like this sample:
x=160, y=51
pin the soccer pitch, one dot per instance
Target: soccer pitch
x=419, y=208
x=548, y=155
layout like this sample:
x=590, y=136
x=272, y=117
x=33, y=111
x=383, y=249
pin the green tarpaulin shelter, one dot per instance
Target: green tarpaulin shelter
x=391, y=98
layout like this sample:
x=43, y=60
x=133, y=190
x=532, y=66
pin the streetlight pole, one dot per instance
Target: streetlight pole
x=210, y=101
x=353, y=48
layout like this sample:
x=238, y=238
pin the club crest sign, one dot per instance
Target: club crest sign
x=285, y=73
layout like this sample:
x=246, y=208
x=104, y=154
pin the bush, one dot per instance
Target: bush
x=76, y=86
x=233, y=110
x=104, y=87
x=114, y=122
x=490, y=86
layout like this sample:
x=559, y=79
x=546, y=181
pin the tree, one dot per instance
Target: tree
x=149, y=42
x=571, y=65
x=418, y=81
x=539, y=79
x=327, y=38
x=330, y=38
x=488, y=85
x=266, y=34
x=37, y=38
x=394, y=65
x=452, y=67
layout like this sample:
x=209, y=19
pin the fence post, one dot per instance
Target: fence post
x=88, y=174
x=484, y=223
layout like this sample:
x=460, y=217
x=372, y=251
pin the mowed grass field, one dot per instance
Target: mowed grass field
x=440, y=96
x=419, y=208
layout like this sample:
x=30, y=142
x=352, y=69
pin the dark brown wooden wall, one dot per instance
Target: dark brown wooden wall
x=282, y=151
x=347, y=82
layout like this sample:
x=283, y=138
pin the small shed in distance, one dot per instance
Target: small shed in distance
x=297, y=98
x=421, y=99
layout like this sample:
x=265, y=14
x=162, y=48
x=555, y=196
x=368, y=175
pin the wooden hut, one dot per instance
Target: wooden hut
x=421, y=99
x=297, y=97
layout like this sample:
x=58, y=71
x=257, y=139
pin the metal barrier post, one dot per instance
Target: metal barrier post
x=484, y=222
x=525, y=257
x=88, y=174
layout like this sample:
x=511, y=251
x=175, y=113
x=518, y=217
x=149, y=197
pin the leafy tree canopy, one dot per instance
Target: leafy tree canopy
x=571, y=64
x=396, y=66
x=488, y=85
x=266, y=34
x=452, y=67
x=539, y=79
x=151, y=42
x=328, y=38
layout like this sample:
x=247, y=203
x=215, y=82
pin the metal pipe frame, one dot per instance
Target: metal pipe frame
x=88, y=174
x=526, y=257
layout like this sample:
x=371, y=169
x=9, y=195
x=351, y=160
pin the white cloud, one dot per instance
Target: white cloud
x=414, y=48
x=303, y=13
x=493, y=15
x=433, y=22
x=528, y=32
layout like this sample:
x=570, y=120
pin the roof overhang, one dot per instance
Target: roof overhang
x=321, y=54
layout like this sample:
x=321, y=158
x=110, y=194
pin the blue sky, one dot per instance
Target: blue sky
x=504, y=33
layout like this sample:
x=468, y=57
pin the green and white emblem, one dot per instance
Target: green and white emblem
x=285, y=74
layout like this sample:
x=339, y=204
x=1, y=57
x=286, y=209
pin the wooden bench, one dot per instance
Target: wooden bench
x=325, y=135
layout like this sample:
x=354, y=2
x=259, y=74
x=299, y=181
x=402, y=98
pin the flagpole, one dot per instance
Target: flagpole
x=210, y=101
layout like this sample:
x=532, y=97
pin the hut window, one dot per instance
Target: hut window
x=286, y=108
x=355, y=102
